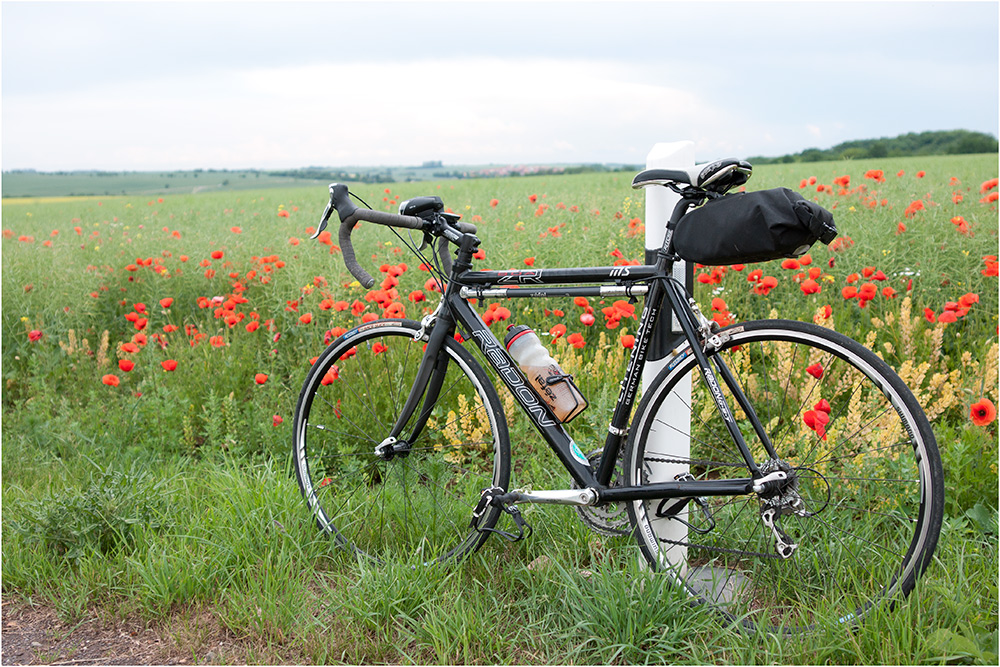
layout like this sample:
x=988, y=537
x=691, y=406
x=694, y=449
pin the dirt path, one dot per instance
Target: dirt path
x=34, y=635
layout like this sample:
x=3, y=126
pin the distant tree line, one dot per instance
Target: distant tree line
x=333, y=175
x=954, y=142
x=394, y=175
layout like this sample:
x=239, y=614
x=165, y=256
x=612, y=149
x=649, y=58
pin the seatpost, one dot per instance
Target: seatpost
x=664, y=337
x=680, y=208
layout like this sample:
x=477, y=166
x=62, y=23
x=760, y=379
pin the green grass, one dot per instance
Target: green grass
x=173, y=492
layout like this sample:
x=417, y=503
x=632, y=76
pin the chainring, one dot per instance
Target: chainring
x=609, y=519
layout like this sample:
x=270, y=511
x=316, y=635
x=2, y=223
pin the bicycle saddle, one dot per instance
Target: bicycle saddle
x=717, y=176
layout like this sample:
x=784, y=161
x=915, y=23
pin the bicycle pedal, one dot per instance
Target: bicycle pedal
x=485, y=501
x=490, y=498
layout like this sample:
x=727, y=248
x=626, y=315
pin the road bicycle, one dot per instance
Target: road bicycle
x=804, y=488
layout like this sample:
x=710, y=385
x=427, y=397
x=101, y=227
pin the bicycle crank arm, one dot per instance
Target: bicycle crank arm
x=581, y=497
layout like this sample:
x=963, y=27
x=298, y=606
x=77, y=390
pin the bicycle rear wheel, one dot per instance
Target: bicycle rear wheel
x=412, y=500
x=862, y=504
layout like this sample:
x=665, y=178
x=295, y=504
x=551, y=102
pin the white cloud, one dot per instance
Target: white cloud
x=468, y=111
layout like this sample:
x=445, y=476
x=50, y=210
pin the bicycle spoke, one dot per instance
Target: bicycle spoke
x=850, y=514
x=411, y=500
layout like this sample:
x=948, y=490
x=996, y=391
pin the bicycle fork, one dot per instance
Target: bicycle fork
x=426, y=387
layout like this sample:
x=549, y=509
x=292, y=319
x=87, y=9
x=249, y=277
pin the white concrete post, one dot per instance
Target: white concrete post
x=673, y=441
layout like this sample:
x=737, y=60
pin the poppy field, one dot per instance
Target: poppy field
x=154, y=349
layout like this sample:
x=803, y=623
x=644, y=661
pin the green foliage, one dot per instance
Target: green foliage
x=104, y=517
x=954, y=142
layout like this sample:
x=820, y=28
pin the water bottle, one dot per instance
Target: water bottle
x=552, y=385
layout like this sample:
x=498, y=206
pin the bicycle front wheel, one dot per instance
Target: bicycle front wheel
x=408, y=497
x=857, y=517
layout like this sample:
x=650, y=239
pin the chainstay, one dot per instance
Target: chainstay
x=693, y=545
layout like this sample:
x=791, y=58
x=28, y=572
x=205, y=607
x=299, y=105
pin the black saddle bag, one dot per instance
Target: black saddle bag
x=752, y=227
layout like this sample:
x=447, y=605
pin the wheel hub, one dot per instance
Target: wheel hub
x=390, y=447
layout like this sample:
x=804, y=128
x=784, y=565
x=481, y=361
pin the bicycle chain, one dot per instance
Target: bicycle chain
x=717, y=464
x=706, y=547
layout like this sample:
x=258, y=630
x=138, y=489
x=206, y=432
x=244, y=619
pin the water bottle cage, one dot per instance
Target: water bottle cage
x=556, y=379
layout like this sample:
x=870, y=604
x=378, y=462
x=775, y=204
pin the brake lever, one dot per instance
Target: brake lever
x=326, y=218
x=425, y=241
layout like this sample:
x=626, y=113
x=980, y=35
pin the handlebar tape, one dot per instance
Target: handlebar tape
x=350, y=215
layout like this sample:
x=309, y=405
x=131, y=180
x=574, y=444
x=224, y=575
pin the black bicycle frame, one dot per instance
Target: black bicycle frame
x=652, y=281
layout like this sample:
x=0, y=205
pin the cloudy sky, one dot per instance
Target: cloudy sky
x=180, y=85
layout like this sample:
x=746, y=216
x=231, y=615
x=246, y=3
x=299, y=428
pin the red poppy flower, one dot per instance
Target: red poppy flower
x=217, y=341
x=368, y=317
x=983, y=412
x=276, y=420
x=395, y=310
x=110, y=380
x=35, y=335
x=217, y=254
x=126, y=365
x=581, y=301
x=765, y=285
x=169, y=365
x=948, y=316
x=167, y=302
x=479, y=254
x=306, y=319
x=912, y=209
x=809, y=286
x=260, y=378
x=494, y=202
x=576, y=340
x=968, y=299
x=587, y=319
x=816, y=370
x=529, y=261
x=331, y=375
x=817, y=421
x=379, y=348
x=628, y=340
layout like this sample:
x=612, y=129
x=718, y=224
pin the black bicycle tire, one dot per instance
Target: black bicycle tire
x=928, y=461
x=410, y=329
